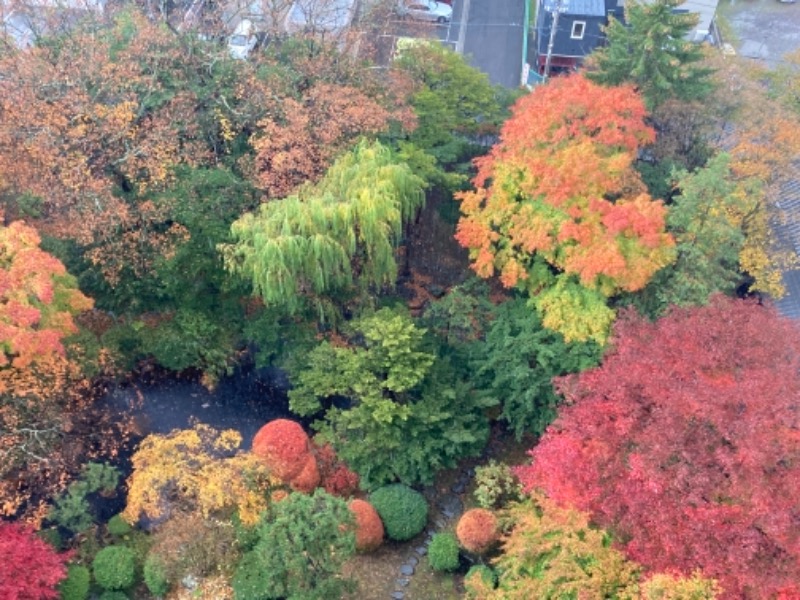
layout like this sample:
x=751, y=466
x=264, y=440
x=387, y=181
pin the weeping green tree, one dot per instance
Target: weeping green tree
x=332, y=240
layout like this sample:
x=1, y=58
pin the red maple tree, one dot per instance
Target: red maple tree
x=29, y=568
x=686, y=444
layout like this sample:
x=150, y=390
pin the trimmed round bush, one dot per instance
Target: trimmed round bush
x=477, y=530
x=404, y=512
x=479, y=581
x=117, y=526
x=76, y=585
x=155, y=575
x=284, y=447
x=114, y=568
x=113, y=595
x=369, y=528
x=443, y=552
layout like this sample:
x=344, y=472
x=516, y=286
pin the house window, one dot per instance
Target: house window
x=578, y=28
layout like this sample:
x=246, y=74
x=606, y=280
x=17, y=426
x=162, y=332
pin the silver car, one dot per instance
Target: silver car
x=425, y=10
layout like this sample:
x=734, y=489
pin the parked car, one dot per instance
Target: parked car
x=243, y=39
x=425, y=10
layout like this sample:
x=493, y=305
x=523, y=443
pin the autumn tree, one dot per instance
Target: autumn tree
x=694, y=414
x=196, y=470
x=29, y=567
x=651, y=51
x=761, y=134
x=38, y=302
x=558, y=210
x=553, y=552
x=331, y=240
x=397, y=392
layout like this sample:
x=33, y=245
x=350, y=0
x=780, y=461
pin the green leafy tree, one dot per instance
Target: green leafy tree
x=708, y=241
x=455, y=103
x=303, y=543
x=652, y=52
x=396, y=393
x=517, y=362
x=331, y=240
x=71, y=510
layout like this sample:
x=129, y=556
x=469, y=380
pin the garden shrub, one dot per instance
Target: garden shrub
x=308, y=479
x=113, y=595
x=335, y=476
x=369, y=528
x=76, y=585
x=479, y=581
x=284, y=446
x=117, y=526
x=477, y=530
x=404, y=512
x=496, y=485
x=443, y=552
x=114, y=568
x=192, y=544
x=251, y=580
x=155, y=575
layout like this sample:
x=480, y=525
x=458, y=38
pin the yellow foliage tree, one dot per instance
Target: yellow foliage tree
x=552, y=552
x=762, y=135
x=667, y=586
x=196, y=470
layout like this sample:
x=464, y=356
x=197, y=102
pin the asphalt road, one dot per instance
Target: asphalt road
x=765, y=30
x=487, y=32
x=491, y=37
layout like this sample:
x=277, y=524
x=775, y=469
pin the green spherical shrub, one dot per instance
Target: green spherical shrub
x=443, y=552
x=155, y=575
x=76, y=585
x=486, y=574
x=113, y=595
x=114, y=568
x=117, y=526
x=403, y=511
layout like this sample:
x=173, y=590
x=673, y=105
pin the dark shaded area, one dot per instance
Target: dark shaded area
x=244, y=401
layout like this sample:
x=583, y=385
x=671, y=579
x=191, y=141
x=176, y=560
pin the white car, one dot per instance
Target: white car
x=243, y=40
x=425, y=10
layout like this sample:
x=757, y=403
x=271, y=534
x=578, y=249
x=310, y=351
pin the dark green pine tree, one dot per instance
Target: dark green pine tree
x=653, y=53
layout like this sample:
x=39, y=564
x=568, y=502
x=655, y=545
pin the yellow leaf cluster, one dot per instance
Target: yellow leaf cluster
x=197, y=469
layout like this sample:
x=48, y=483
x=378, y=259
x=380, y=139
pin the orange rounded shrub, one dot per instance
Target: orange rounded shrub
x=284, y=447
x=369, y=528
x=477, y=530
x=308, y=478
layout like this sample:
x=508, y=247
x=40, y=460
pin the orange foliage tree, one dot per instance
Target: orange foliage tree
x=558, y=209
x=39, y=384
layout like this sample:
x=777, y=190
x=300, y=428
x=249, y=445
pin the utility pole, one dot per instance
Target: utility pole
x=558, y=7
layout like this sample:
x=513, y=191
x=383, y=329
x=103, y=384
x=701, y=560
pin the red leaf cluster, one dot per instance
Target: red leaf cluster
x=369, y=528
x=285, y=448
x=477, y=530
x=307, y=479
x=685, y=443
x=336, y=478
x=29, y=568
